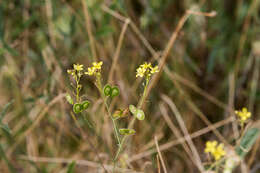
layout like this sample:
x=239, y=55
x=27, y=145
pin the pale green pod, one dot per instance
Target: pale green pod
x=126, y=131
x=69, y=99
x=140, y=114
x=132, y=109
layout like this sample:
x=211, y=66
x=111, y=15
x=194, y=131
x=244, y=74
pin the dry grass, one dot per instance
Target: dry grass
x=191, y=100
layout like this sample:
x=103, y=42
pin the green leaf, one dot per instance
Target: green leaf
x=126, y=131
x=5, y=128
x=71, y=167
x=3, y=112
x=8, y=163
x=247, y=141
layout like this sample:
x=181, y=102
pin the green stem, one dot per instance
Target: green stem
x=140, y=104
x=99, y=86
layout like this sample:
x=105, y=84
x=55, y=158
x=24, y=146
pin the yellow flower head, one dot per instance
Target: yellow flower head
x=146, y=65
x=243, y=114
x=219, y=152
x=71, y=72
x=146, y=70
x=97, y=65
x=78, y=67
x=210, y=146
x=90, y=71
x=154, y=69
x=140, y=72
x=95, y=69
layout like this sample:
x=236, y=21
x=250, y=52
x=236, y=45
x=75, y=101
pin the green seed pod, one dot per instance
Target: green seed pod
x=85, y=105
x=139, y=114
x=126, y=131
x=107, y=90
x=132, y=109
x=115, y=92
x=69, y=99
x=77, y=108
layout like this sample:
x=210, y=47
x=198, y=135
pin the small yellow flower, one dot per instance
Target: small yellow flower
x=210, y=146
x=146, y=70
x=95, y=69
x=146, y=65
x=154, y=69
x=243, y=114
x=97, y=65
x=140, y=72
x=78, y=67
x=219, y=152
x=71, y=72
x=91, y=71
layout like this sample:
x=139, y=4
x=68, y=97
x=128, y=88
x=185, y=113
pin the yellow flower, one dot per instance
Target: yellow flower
x=90, y=71
x=146, y=65
x=140, y=72
x=71, y=72
x=210, y=146
x=97, y=65
x=146, y=70
x=154, y=69
x=243, y=114
x=78, y=67
x=219, y=152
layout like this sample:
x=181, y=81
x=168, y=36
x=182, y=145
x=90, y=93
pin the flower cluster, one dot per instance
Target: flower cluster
x=95, y=69
x=243, y=115
x=146, y=70
x=76, y=71
x=217, y=150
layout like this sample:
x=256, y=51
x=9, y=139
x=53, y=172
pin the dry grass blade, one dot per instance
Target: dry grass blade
x=117, y=52
x=185, y=131
x=89, y=29
x=160, y=155
x=175, y=130
x=78, y=162
x=35, y=123
x=173, y=143
x=166, y=52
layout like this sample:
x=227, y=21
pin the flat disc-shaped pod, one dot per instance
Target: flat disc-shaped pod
x=85, y=104
x=115, y=92
x=107, y=90
x=77, y=108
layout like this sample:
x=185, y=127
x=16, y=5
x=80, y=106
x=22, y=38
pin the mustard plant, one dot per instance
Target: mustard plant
x=107, y=93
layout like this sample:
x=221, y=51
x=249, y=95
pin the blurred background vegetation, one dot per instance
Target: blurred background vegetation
x=212, y=68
